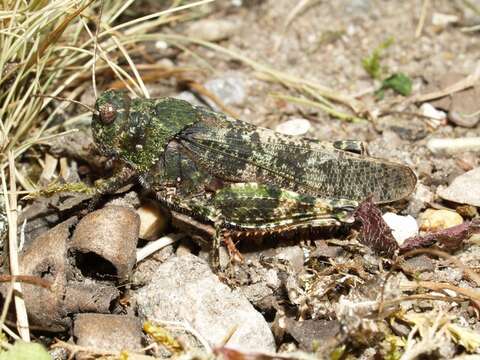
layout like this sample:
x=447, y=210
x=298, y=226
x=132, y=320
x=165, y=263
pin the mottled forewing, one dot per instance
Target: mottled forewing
x=236, y=151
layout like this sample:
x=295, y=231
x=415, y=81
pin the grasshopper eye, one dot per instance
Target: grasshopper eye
x=107, y=114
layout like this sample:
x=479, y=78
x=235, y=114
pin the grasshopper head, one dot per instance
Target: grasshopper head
x=108, y=122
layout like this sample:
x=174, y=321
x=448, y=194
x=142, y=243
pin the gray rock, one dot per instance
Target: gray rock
x=465, y=189
x=465, y=108
x=420, y=199
x=188, y=96
x=462, y=106
x=229, y=88
x=184, y=289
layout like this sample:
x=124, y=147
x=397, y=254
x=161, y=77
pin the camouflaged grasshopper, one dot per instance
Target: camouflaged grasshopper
x=234, y=174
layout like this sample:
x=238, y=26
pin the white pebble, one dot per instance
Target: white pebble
x=402, y=227
x=295, y=126
x=161, y=45
x=430, y=111
x=443, y=20
x=453, y=146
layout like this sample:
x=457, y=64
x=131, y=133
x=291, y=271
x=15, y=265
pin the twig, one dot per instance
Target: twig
x=466, y=82
x=423, y=15
x=10, y=332
x=422, y=297
x=59, y=98
x=11, y=205
x=95, y=50
x=154, y=246
x=29, y=279
x=299, y=7
x=273, y=75
x=471, y=294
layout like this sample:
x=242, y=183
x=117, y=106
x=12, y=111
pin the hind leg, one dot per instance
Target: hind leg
x=354, y=146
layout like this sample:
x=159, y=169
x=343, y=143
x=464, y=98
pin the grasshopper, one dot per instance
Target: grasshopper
x=236, y=175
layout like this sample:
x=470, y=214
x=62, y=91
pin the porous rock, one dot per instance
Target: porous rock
x=46, y=258
x=184, y=289
x=107, y=238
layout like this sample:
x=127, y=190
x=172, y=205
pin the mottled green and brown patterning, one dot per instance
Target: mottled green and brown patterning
x=221, y=169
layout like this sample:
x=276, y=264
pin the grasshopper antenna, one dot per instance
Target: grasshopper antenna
x=95, y=49
x=89, y=108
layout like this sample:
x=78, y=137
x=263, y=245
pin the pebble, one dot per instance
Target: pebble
x=443, y=20
x=185, y=290
x=430, y=111
x=295, y=126
x=435, y=220
x=152, y=221
x=463, y=107
x=402, y=227
x=450, y=146
x=464, y=189
x=212, y=29
x=465, y=110
x=230, y=89
x=419, y=199
x=188, y=96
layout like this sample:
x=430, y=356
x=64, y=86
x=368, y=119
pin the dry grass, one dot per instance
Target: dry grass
x=49, y=50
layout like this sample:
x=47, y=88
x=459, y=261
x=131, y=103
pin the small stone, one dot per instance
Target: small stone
x=309, y=332
x=446, y=146
x=292, y=254
x=465, y=109
x=462, y=106
x=464, y=189
x=418, y=264
x=443, y=20
x=184, y=289
x=402, y=227
x=188, y=96
x=419, y=199
x=230, y=89
x=430, y=111
x=212, y=29
x=435, y=220
x=152, y=221
x=161, y=45
x=295, y=126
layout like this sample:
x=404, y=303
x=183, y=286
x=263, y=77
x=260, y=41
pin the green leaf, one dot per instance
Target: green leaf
x=398, y=82
x=372, y=64
x=26, y=351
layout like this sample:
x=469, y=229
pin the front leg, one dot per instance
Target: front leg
x=120, y=178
